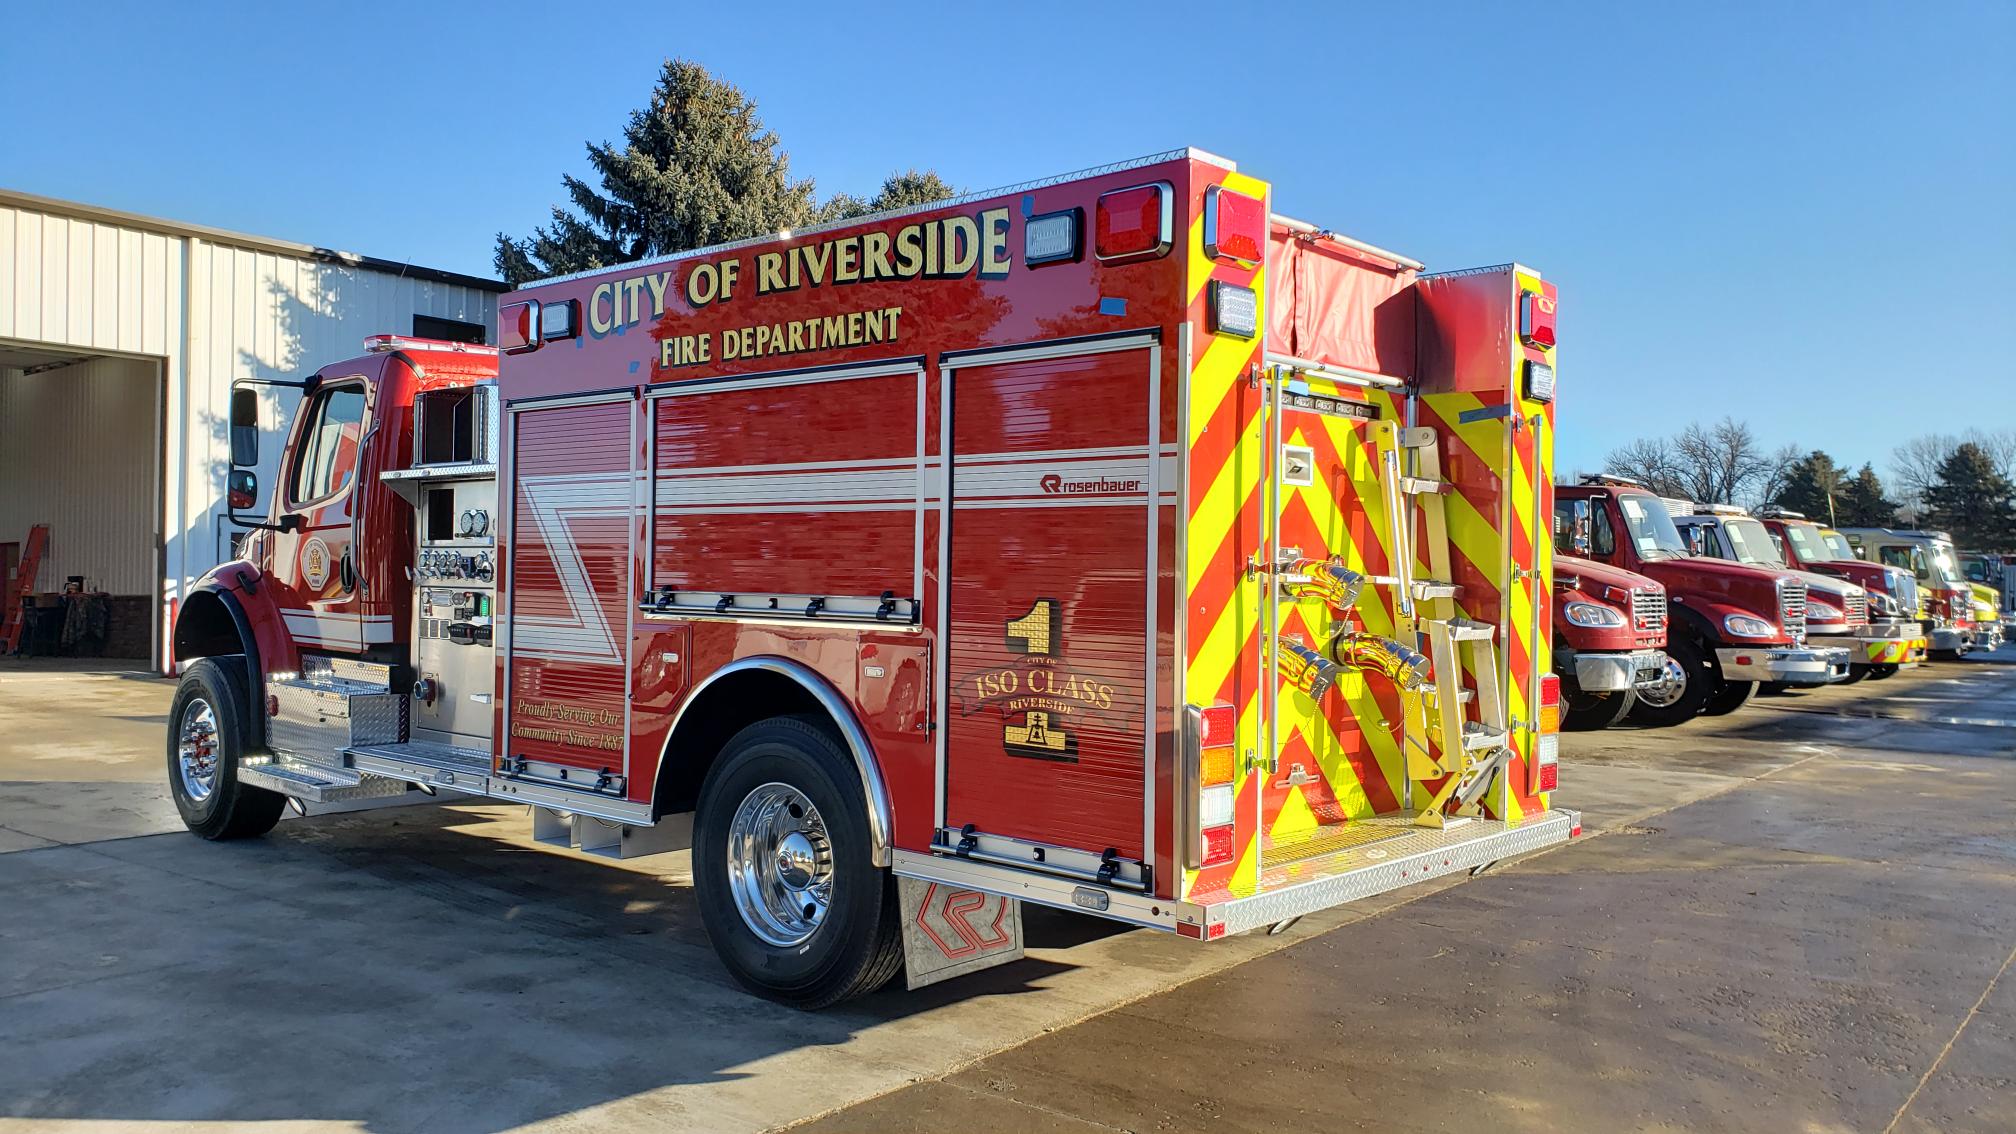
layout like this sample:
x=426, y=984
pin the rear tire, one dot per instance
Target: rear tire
x=795, y=907
x=1728, y=697
x=206, y=740
x=1691, y=678
x=1589, y=712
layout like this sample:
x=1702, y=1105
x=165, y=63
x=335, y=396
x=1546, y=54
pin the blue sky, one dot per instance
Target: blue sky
x=1802, y=214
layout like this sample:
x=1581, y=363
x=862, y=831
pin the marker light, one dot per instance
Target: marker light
x=1136, y=224
x=516, y=323
x=1235, y=310
x=1053, y=237
x=1235, y=226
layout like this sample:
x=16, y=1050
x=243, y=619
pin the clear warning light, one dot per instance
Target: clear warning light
x=1051, y=238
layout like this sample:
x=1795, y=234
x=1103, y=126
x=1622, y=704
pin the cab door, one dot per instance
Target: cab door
x=314, y=565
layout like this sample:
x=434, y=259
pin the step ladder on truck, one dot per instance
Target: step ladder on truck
x=1104, y=542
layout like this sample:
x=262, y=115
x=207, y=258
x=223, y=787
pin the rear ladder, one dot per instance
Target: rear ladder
x=1441, y=741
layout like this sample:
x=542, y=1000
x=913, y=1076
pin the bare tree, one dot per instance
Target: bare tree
x=1915, y=465
x=1652, y=462
x=1777, y=473
x=1719, y=463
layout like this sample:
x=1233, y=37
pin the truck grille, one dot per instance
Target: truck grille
x=1792, y=608
x=1648, y=611
x=1906, y=593
x=1857, y=608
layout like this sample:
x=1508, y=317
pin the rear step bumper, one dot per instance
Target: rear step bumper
x=1302, y=886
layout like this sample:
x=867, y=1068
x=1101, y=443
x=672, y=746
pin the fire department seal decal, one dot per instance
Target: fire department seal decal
x=1042, y=700
x=315, y=563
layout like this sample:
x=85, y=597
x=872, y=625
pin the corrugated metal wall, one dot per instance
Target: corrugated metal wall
x=101, y=512
x=211, y=311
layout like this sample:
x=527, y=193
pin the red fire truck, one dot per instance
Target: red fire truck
x=1107, y=542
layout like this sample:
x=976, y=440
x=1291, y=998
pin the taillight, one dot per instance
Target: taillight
x=1217, y=846
x=1137, y=223
x=1546, y=768
x=1550, y=704
x=1235, y=226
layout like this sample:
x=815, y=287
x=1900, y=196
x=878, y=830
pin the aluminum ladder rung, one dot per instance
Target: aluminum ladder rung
x=1423, y=486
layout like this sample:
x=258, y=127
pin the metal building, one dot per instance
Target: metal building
x=120, y=338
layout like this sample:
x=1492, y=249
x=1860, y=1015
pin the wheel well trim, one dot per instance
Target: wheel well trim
x=255, y=672
x=876, y=794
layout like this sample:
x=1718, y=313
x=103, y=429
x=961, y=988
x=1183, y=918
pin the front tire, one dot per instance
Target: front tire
x=1690, y=679
x=206, y=741
x=781, y=863
x=1728, y=697
x=1882, y=671
x=1856, y=673
x=1590, y=712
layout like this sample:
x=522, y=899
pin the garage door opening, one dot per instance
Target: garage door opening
x=80, y=451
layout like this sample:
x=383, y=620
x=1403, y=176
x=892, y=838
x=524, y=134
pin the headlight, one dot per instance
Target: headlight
x=1882, y=604
x=1590, y=614
x=1744, y=626
x=1822, y=613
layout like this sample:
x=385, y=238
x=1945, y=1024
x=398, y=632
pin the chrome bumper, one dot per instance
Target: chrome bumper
x=1949, y=638
x=1614, y=673
x=1790, y=665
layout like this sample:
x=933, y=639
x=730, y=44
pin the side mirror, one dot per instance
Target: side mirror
x=241, y=489
x=1696, y=543
x=244, y=428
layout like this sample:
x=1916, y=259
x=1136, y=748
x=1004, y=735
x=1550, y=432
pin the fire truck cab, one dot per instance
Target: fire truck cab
x=1730, y=625
x=1928, y=555
x=1896, y=640
x=1838, y=610
x=1107, y=542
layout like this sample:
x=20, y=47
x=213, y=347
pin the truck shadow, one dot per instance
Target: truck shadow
x=397, y=969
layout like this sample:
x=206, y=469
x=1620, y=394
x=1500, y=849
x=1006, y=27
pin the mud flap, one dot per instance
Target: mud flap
x=949, y=932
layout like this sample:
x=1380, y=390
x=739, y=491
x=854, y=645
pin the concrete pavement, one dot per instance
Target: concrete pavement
x=1793, y=913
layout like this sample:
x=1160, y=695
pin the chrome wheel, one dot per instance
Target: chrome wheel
x=780, y=864
x=1672, y=682
x=196, y=750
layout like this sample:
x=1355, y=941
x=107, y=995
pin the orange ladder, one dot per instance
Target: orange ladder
x=24, y=588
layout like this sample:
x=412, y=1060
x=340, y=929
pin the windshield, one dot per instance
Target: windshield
x=1839, y=545
x=1808, y=547
x=1750, y=543
x=1652, y=530
x=1943, y=569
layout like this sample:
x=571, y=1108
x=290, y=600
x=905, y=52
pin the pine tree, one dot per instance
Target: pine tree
x=899, y=190
x=1813, y=486
x=1863, y=504
x=1973, y=501
x=696, y=167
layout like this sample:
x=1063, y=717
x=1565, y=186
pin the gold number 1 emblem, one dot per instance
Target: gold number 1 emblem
x=1036, y=631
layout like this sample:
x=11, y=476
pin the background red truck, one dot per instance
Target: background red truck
x=1609, y=638
x=1730, y=626
x=1893, y=592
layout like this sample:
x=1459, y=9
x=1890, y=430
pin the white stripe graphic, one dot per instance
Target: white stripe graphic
x=584, y=634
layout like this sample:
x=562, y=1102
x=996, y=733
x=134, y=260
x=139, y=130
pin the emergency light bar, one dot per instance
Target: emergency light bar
x=380, y=344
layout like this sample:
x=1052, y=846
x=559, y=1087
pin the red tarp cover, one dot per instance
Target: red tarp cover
x=1329, y=303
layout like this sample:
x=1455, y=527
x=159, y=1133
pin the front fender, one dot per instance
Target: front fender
x=235, y=594
x=1706, y=617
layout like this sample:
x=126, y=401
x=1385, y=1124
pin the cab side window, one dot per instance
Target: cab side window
x=1602, y=540
x=327, y=459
